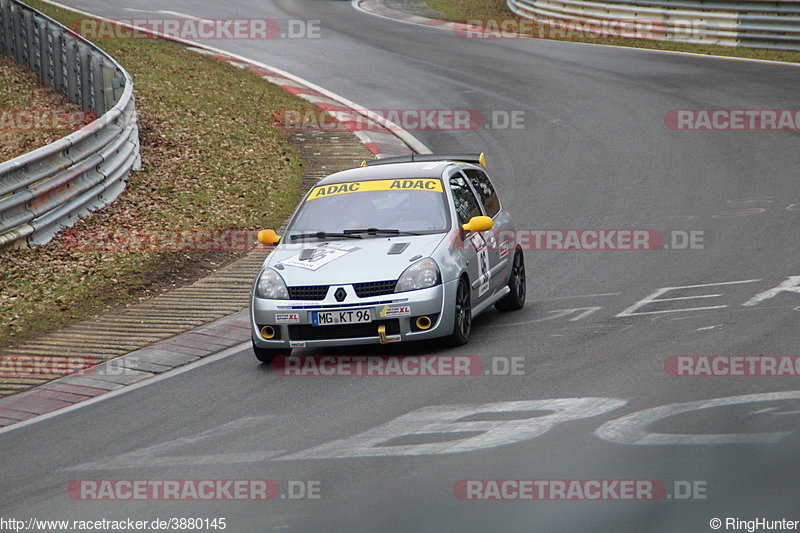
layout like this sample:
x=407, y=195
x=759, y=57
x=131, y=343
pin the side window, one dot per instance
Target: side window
x=467, y=205
x=480, y=181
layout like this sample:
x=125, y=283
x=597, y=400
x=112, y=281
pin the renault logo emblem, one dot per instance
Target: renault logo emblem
x=340, y=294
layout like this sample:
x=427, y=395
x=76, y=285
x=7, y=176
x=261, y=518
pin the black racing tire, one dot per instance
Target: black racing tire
x=516, y=298
x=462, y=323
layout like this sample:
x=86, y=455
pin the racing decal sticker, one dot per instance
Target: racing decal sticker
x=484, y=272
x=416, y=184
x=287, y=318
x=320, y=256
x=392, y=338
x=297, y=344
x=503, y=249
x=393, y=312
x=478, y=241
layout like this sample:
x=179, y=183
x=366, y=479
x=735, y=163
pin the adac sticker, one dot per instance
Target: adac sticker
x=503, y=249
x=321, y=256
x=392, y=312
x=478, y=241
x=411, y=184
x=283, y=318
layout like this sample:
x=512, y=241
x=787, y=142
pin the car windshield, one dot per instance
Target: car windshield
x=381, y=206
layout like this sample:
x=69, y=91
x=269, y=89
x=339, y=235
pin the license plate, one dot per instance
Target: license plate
x=346, y=316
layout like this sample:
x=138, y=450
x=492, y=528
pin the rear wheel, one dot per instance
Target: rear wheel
x=516, y=298
x=266, y=355
x=462, y=324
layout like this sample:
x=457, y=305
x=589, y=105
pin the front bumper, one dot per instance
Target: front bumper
x=292, y=320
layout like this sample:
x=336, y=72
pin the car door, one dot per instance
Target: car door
x=476, y=248
x=499, y=244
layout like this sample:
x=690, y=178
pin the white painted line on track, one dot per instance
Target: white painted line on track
x=633, y=429
x=184, y=15
x=710, y=328
x=579, y=312
x=654, y=299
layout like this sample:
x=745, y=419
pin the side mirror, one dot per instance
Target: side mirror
x=268, y=237
x=478, y=224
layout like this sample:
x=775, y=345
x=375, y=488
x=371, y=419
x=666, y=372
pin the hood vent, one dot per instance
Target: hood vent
x=398, y=248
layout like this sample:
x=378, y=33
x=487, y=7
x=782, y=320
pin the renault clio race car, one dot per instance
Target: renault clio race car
x=399, y=249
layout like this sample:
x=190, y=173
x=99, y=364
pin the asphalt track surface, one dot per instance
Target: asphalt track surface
x=594, y=153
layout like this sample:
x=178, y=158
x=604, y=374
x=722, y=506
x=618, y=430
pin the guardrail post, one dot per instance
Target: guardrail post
x=26, y=43
x=16, y=32
x=85, y=77
x=56, y=56
x=71, y=63
x=98, y=85
x=35, y=59
x=109, y=77
x=48, y=56
x=119, y=85
x=4, y=32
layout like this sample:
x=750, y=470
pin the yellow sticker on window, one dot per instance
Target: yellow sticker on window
x=425, y=184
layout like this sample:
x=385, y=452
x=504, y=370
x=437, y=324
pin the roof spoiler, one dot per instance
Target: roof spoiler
x=479, y=159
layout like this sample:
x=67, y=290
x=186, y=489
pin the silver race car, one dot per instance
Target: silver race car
x=402, y=248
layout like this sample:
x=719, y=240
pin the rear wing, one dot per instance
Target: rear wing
x=479, y=159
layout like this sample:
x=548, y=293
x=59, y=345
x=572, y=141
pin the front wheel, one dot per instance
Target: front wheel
x=516, y=298
x=462, y=325
x=266, y=355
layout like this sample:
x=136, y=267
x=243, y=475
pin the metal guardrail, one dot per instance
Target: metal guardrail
x=48, y=189
x=754, y=23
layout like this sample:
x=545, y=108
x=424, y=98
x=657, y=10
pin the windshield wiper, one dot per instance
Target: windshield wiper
x=323, y=235
x=376, y=231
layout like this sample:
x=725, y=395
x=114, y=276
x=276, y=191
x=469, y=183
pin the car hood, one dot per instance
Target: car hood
x=350, y=260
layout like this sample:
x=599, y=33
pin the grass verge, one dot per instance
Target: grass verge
x=212, y=160
x=474, y=10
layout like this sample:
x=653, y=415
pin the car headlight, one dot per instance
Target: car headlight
x=421, y=275
x=270, y=285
